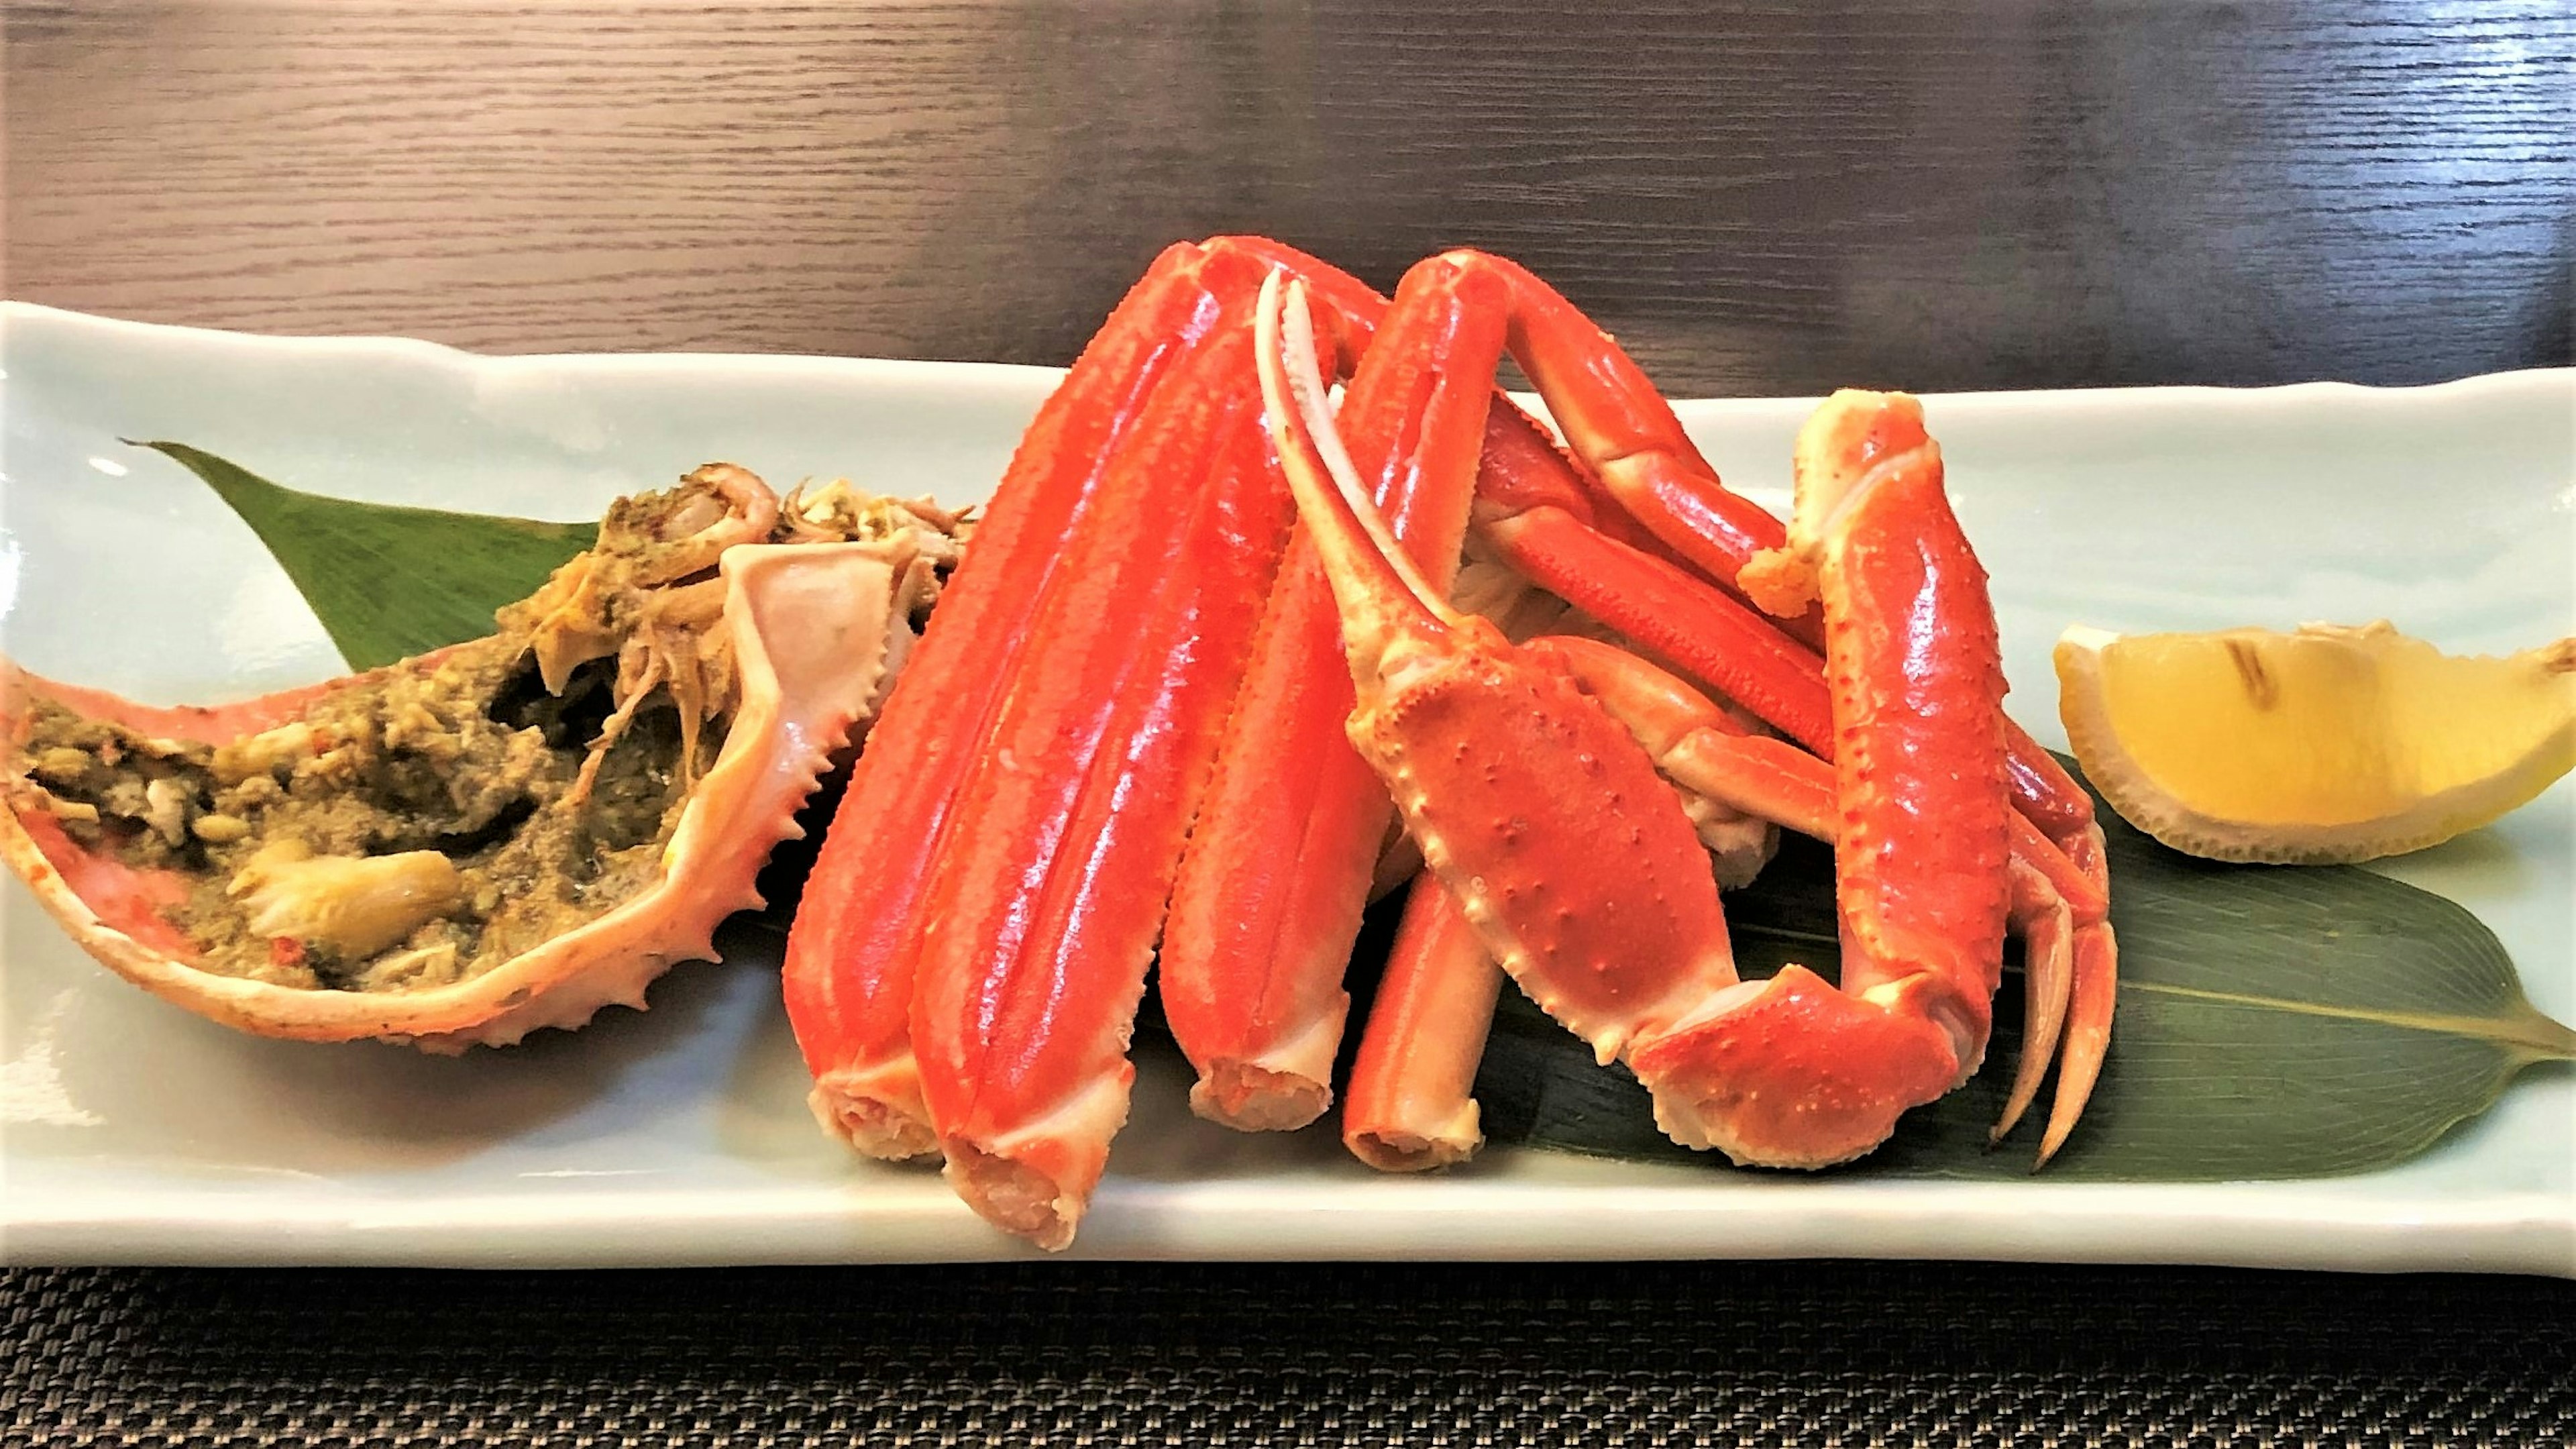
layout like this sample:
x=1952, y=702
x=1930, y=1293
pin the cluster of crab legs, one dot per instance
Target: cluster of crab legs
x=1202, y=653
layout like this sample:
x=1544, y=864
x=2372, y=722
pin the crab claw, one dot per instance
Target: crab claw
x=1571, y=856
x=1517, y=787
x=1787, y=1072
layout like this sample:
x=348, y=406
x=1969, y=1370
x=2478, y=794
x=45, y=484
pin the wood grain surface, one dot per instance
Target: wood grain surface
x=1759, y=197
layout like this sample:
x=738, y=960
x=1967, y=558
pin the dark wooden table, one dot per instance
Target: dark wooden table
x=1759, y=198
x=1762, y=198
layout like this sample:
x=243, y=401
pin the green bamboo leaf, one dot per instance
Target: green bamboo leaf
x=2274, y=1022
x=389, y=582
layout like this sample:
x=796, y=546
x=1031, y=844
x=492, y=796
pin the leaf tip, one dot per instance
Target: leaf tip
x=2552, y=1041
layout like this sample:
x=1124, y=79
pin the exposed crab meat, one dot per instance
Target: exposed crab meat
x=499, y=836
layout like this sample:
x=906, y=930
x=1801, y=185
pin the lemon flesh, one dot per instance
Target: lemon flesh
x=2327, y=744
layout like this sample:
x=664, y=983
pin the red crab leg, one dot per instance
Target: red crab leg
x=1643, y=459
x=2092, y=998
x=1856, y=449
x=1532, y=503
x=1268, y=899
x=1279, y=864
x=2055, y=902
x=1269, y=896
x=1922, y=838
x=1418, y=1056
x=1045, y=913
x=1502, y=770
x=851, y=953
x=1621, y=426
x=1707, y=635
x=1411, y=1105
x=1541, y=526
x=1568, y=853
x=1251, y=958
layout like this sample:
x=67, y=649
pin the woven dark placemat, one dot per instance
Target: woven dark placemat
x=1147, y=1354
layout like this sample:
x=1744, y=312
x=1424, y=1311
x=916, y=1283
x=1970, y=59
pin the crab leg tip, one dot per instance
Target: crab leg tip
x=2047, y=929
x=1371, y=571
x=2094, y=997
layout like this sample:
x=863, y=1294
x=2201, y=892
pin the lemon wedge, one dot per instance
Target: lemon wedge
x=2328, y=744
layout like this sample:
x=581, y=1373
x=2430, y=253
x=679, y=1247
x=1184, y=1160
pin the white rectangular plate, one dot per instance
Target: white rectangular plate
x=136, y=1133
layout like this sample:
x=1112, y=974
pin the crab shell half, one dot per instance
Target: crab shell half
x=816, y=630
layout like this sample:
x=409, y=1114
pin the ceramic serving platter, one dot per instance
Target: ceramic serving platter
x=137, y=1133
